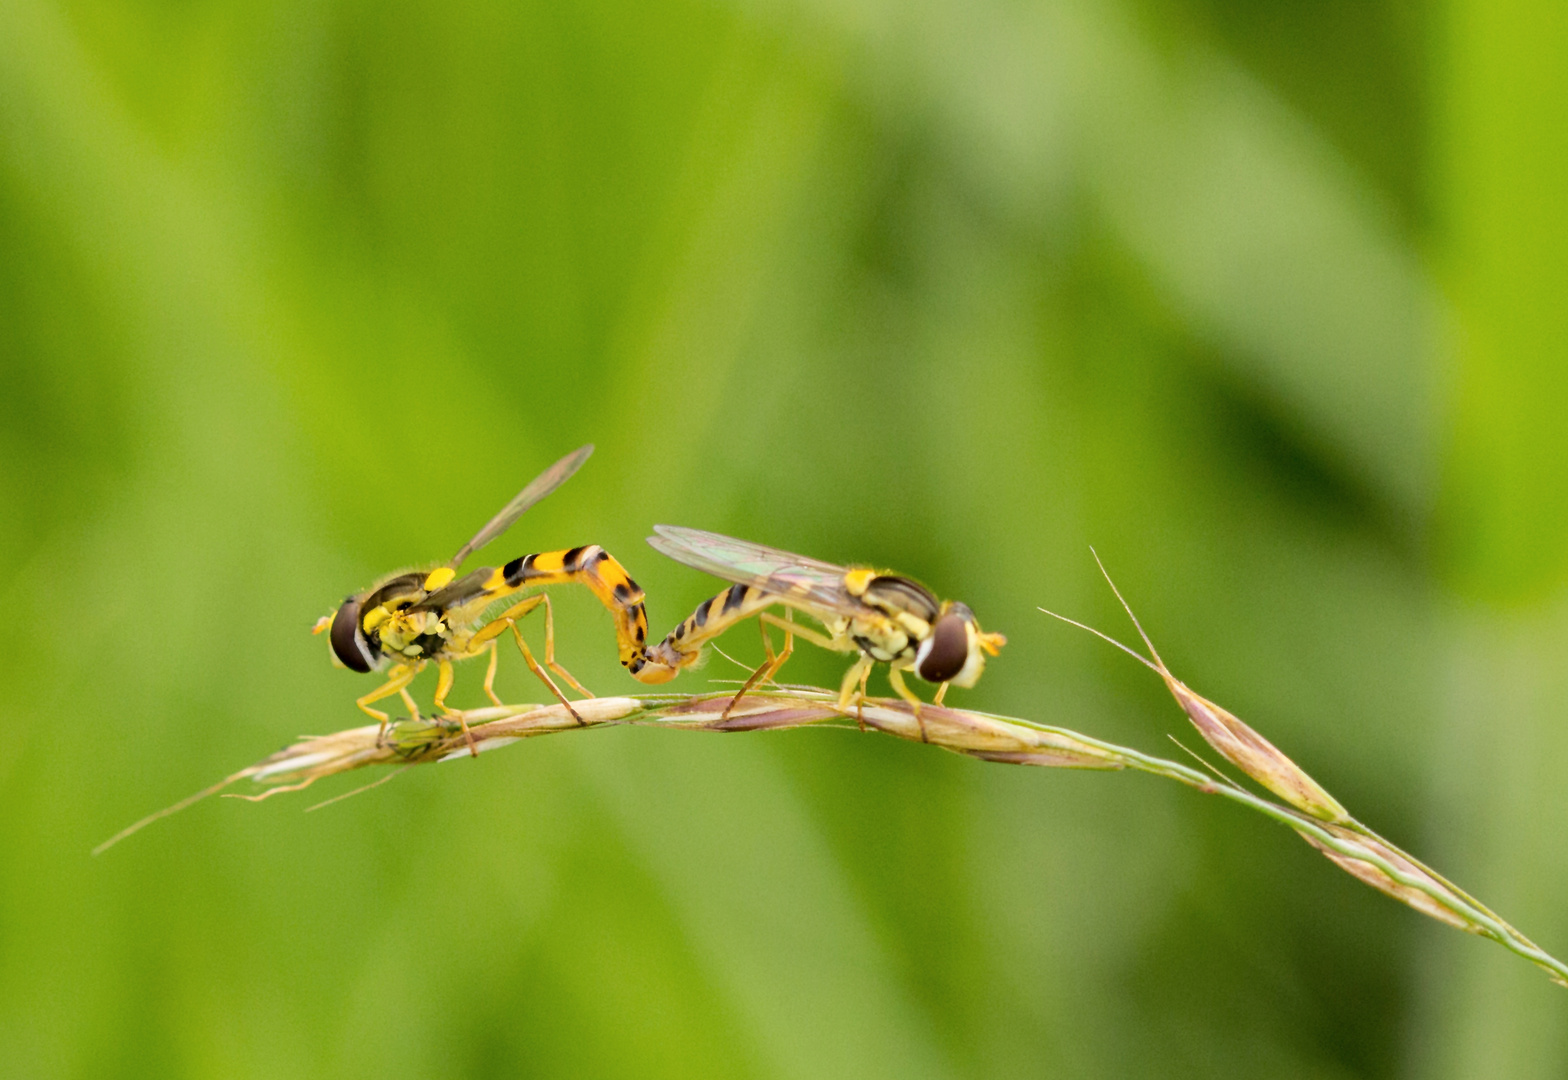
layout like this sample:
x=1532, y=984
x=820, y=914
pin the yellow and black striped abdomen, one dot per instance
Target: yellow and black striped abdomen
x=606, y=578
x=712, y=617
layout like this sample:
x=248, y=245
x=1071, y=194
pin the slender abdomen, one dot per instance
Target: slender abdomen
x=683, y=645
x=606, y=578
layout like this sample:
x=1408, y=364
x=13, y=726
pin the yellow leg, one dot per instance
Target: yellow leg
x=941, y=692
x=805, y=633
x=486, y=635
x=497, y=626
x=788, y=625
x=490, y=675
x=769, y=666
x=397, y=682
x=533, y=666
x=549, y=650
x=408, y=700
x=443, y=688
x=896, y=678
x=858, y=672
x=765, y=669
x=443, y=685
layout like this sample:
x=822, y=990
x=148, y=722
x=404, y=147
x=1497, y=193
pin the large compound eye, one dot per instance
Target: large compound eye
x=945, y=652
x=347, y=642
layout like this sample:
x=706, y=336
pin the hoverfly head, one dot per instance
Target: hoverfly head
x=956, y=650
x=350, y=647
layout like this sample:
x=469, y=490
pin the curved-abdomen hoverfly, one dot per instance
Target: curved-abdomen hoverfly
x=410, y=619
x=884, y=617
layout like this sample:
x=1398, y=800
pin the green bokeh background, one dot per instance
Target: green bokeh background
x=1265, y=301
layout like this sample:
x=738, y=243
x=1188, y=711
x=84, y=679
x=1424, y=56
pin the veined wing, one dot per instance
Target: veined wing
x=537, y=488
x=782, y=573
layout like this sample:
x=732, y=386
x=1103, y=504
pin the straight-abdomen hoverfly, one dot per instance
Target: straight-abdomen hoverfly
x=410, y=619
x=884, y=617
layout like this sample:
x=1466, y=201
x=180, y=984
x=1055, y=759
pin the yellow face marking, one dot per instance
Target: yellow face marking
x=439, y=578
x=375, y=618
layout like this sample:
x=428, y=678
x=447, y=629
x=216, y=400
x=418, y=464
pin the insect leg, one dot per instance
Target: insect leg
x=857, y=673
x=681, y=647
x=763, y=622
x=549, y=650
x=397, y=682
x=486, y=635
x=490, y=673
x=767, y=640
x=595, y=568
x=443, y=684
x=497, y=626
x=443, y=688
x=787, y=624
x=533, y=665
x=408, y=700
x=896, y=678
x=771, y=665
x=764, y=671
x=805, y=633
x=941, y=692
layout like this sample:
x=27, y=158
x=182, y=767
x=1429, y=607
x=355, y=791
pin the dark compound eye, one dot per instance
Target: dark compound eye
x=945, y=654
x=347, y=642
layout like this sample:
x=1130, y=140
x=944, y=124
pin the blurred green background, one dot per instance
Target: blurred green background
x=1264, y=300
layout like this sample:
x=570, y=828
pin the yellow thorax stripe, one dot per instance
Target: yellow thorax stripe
x=857, y=581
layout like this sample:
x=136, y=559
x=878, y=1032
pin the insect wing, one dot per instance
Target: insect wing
x=537, y=489
x=810, y=581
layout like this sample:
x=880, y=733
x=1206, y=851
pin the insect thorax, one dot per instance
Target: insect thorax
x=413, y=635
x=906, y=607
x=881, y=638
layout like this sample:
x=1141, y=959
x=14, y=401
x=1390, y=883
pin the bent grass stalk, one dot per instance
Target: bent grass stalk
x=1301, y=804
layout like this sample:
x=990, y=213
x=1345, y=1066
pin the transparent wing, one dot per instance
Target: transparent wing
x=537, y=488
x=810, y=581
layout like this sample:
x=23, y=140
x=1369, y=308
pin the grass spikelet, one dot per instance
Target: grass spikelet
x=1305, y=807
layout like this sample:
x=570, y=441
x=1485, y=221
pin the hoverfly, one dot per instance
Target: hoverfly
x=409, y=619
x=884, y=617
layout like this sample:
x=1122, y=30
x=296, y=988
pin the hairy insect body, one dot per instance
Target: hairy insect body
x=907, y=612
x=884, y=617
x=901, y=618
x=417, y=617
x=414, y=618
